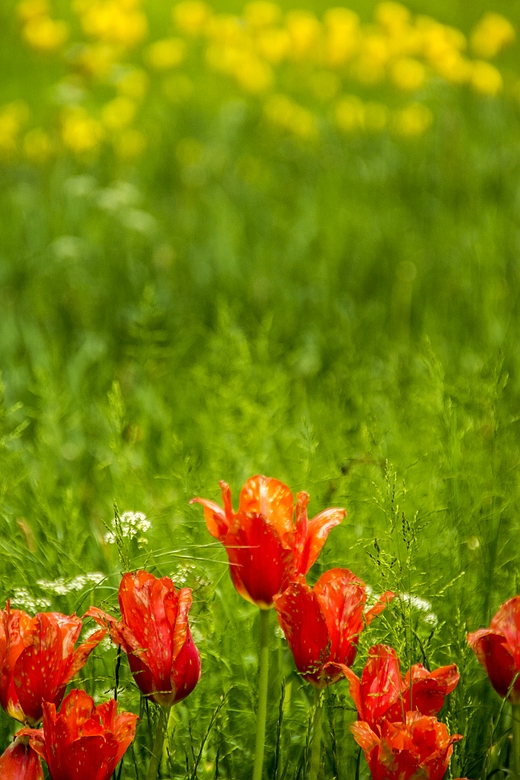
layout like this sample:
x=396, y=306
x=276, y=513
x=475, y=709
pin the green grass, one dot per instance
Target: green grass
x=343, y=317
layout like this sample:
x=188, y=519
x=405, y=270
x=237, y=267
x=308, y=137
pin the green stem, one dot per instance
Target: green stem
x=316, y=736
x=155, y=760
x=262, y=694
x=515, y=763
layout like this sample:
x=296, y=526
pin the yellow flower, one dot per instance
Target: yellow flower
x=111, y=22
x=350, y=114
x=373, y=58
x=453, y=67
x=485, y=78
x=118, y=113
x=408, y=74
x=273, y=45
x=261, y=13
x=133, y=83
x=191, y=16
x=253, y=75
x=304, y=33
x=80, y=132
x=45, y=34
x=283, y=112
x=392, y=16
x=31, y=9
x=341, y=36
x=166, y=54
x=412, y=121
x=491, y=34
x=97, y=59
x=37, y=145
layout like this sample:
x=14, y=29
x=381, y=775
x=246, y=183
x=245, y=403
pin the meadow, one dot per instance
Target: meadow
x=263, y=240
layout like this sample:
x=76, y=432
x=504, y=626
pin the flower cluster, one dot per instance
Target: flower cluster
x=299, y=70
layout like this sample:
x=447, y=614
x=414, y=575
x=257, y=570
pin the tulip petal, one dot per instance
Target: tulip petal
x=342, y=599
x=270, y=498
x=364, y=736
x=20, y=761
x=80, y=657
x=216, y=521
x=260, y=566
x=317, y=532
x=495, y=656
x=427, y=690
x=379, y=606
x=302, y=619
x=507, y=622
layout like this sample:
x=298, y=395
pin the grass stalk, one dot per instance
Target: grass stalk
x=263, y=680
x=316, y=736
x=515, y=763
x=155, y=760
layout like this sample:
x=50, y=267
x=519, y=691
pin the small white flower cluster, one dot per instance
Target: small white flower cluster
x=132, y=524
x=22, y=599
x=422, y=605
x=61, y=587
x=181, y=576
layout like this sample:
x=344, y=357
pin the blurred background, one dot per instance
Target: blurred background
x=265, y=238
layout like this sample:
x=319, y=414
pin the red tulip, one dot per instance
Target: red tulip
x=498, y=650
x=265, y=547
x=155, y=634
x=322, y=624
x=418, y=748
x=82, y=741
x=38, y=660
x=20, y=761
x=382, y=694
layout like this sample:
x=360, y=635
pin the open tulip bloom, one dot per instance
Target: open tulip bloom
x=420, y=748
x=269, y=542
x=322, y=627
x=266, y=548
x=82, y=741
x=383, y=695
x=498, y=650
x=38, y=660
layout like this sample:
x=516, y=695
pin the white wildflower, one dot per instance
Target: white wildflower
x=61, y=586
x=22, y=599
x=131, y=524
x=422, y=606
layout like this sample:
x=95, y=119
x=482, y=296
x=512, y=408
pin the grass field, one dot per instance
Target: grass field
x=221, y=295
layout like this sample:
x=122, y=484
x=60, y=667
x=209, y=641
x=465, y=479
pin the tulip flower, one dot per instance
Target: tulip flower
x=20, y=761
x=38, y=660
x=266, y=548
x=155, y=634
x=322, y=626
x=82, y=740
x=382, y=694
x=420, y=747
x=156, y=637
x=498, y=650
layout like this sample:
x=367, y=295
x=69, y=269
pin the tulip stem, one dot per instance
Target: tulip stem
x=263, y=679
x=516, y=742
x=155, y=760
x=316, y=736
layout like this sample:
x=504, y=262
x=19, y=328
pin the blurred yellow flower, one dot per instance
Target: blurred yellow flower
x=12, y=117
x=485, y=78
x=118, y=113
x=304, y=33
x=261, y=13
x=113, y=22
x=166, y=54
x=392, y=16
x=412, y=121
x=129, y=144
x=370, y=67
x=408, y=74
x=45, y=34
x=283, y=112
x=350, y=114
x=341, y=35
x=191, y=16
x=273, y=45
x=80, y=132
x=253, y=75
x=133, y=83
x=491, y=35
x=37, y=145
x=454, y=67
x=31, y=9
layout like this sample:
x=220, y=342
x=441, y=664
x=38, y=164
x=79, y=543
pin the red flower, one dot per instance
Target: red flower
x=155, y=634
x=20, y=761
x=83, y=741
x=265, y=547
x=418, y=748
x=498, y=649
x=382, y=694
x=38, y=660
x=322, y=624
